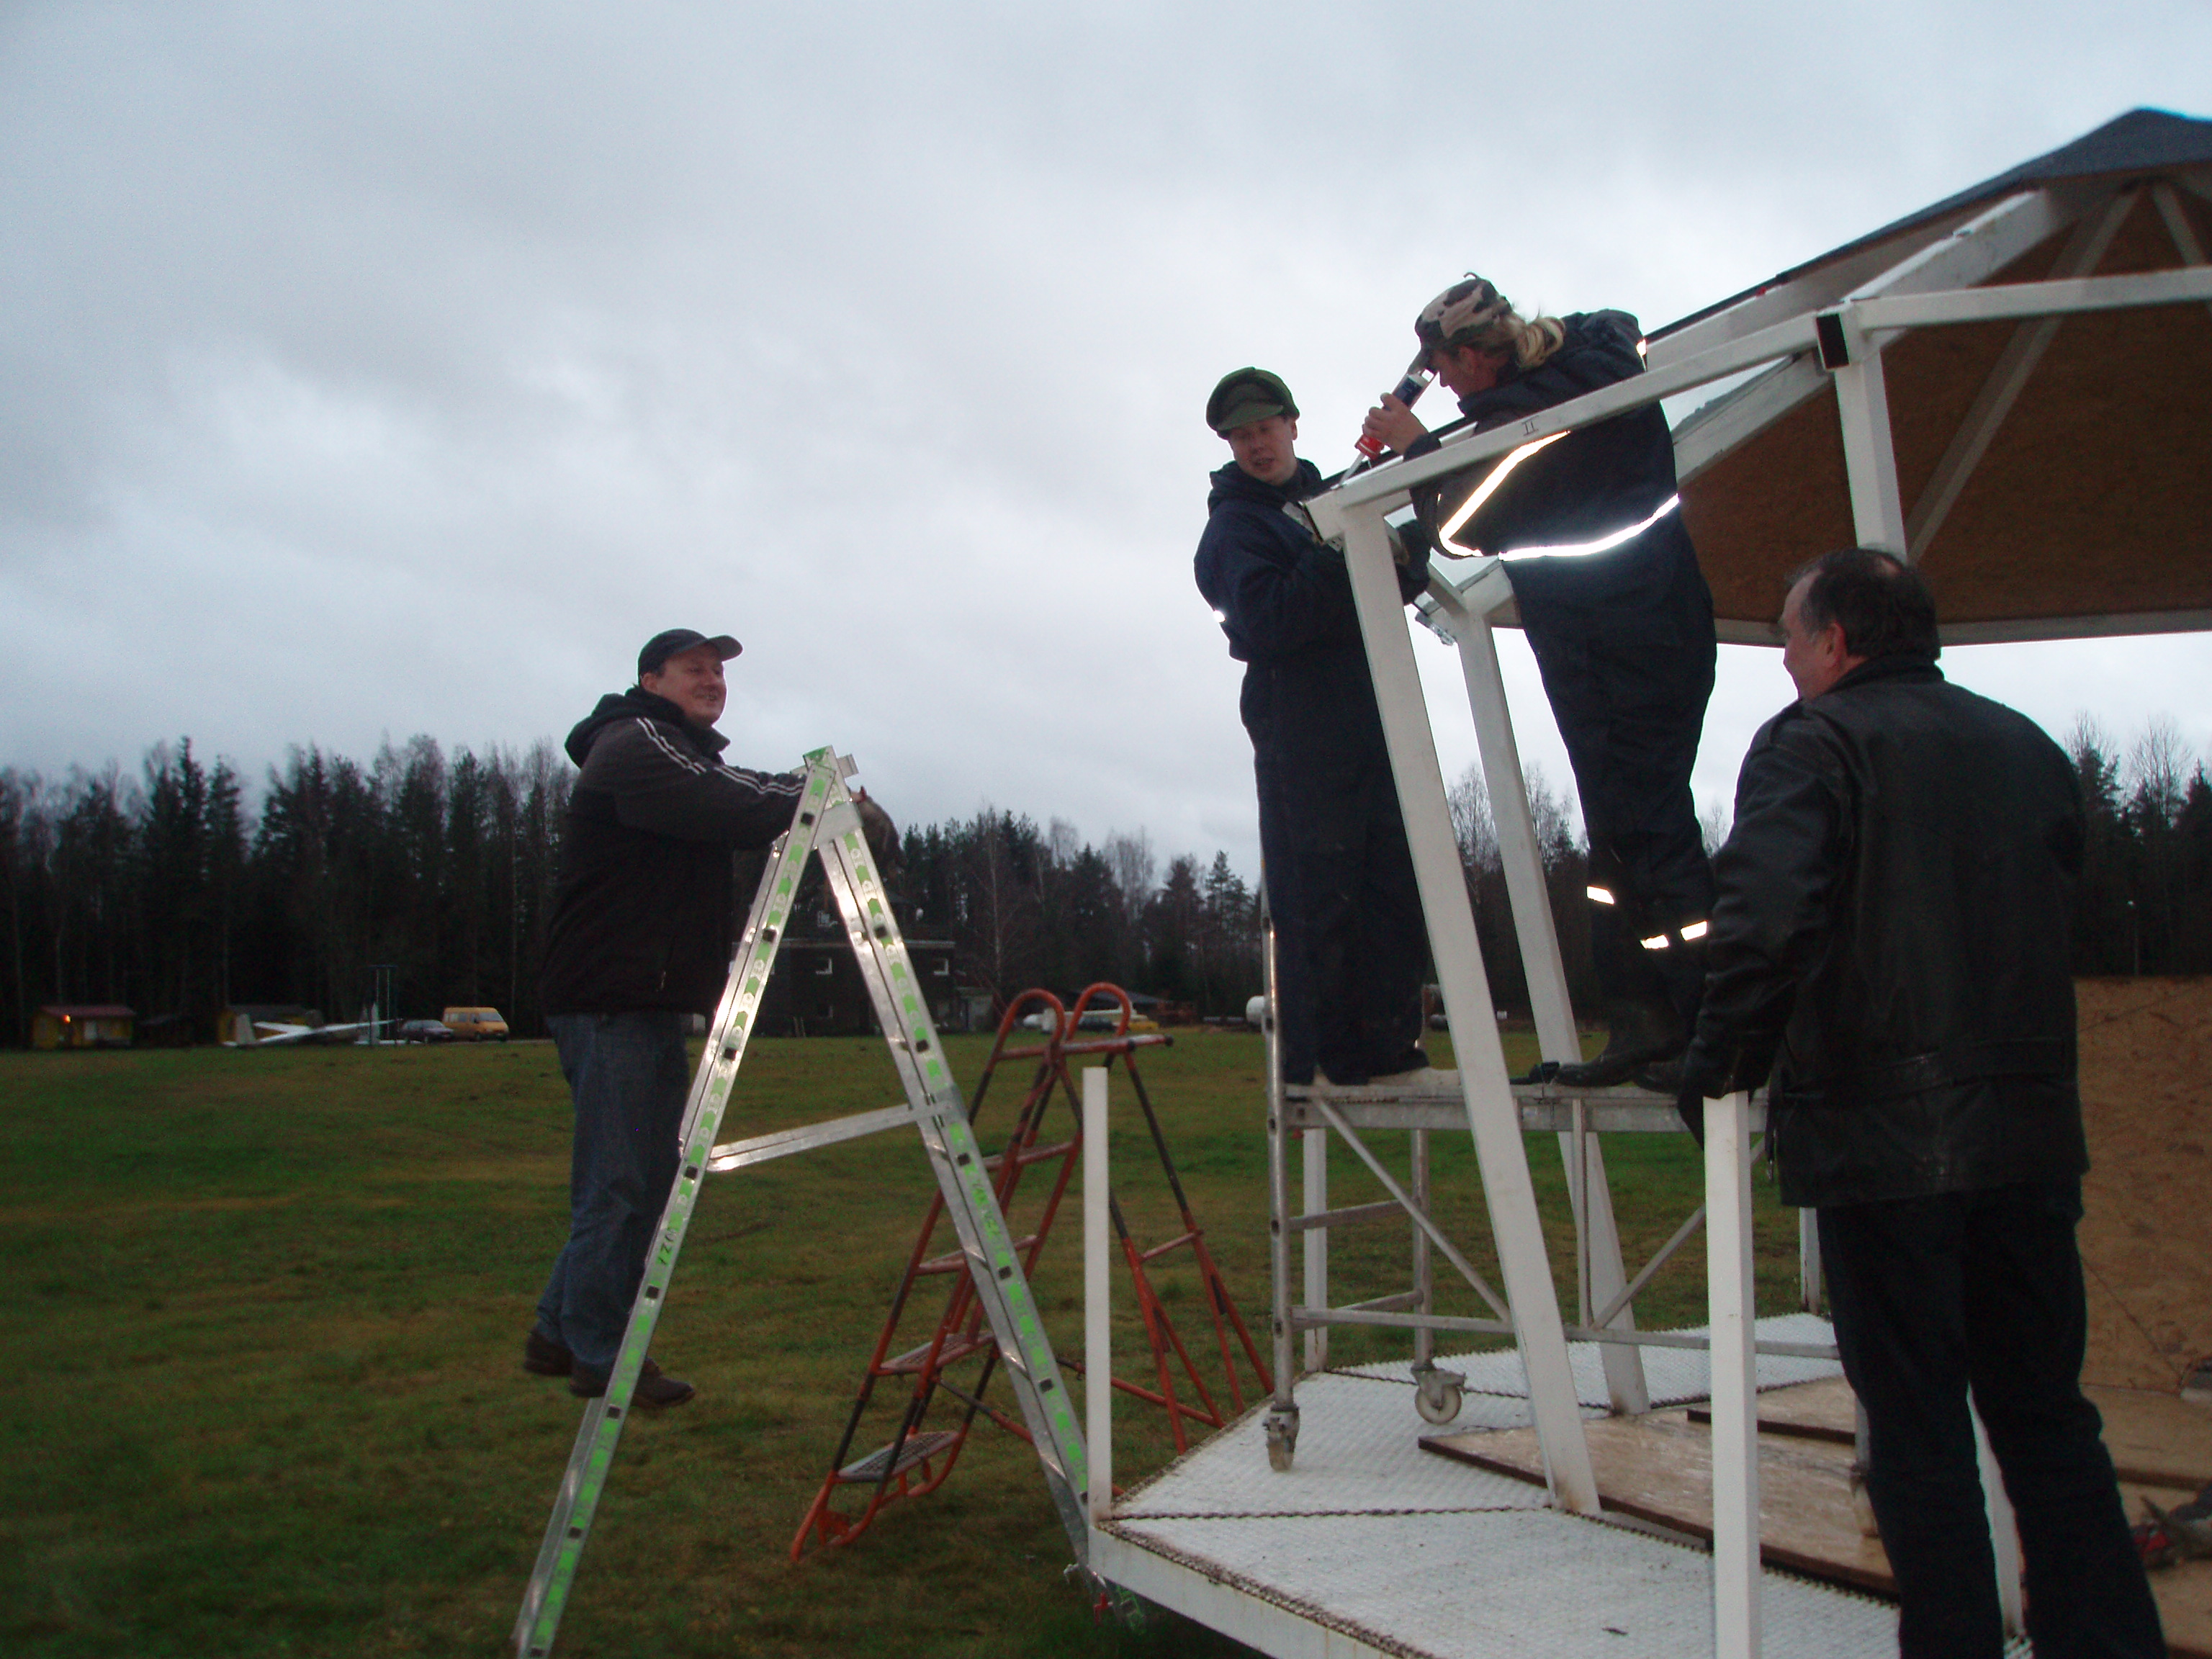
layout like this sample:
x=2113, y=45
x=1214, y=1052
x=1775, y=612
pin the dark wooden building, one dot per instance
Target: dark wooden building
x=817, y=990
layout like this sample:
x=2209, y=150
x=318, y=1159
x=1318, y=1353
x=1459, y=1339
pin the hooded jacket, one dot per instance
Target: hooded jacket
x=1592, y=483
x=1893, y=933
x=644, y=914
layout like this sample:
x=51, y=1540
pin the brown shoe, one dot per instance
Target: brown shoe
x=543, y=1357
x=655, y=1388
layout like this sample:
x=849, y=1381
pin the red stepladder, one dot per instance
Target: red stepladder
x=938, y=1386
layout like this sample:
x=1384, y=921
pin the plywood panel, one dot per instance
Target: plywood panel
x=1659, y=1467
x=2094, y=497
x=1827, y=1410
x=2152, y=1436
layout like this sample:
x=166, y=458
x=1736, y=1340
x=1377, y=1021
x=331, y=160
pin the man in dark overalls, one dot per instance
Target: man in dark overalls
x=1350, y=950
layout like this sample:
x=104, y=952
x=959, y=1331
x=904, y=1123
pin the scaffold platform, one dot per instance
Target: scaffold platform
x=1370, y=1545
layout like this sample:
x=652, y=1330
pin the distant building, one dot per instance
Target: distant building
x=82, y=1026
x=817, y=989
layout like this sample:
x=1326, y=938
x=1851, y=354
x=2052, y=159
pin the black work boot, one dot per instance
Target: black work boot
x=1641, y=1031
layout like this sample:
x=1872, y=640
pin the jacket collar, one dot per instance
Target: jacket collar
x=1233, y=483
x=1902, y=665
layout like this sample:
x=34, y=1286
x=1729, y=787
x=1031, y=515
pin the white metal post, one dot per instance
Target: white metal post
x=1810, y=1290
x=1557, y=1039
x=1492, y=1116
x=1097, y=1310
x=1729, y=1287
x=1870, y=456
x=1313, y=1150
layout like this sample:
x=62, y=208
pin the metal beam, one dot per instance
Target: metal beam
x=1727, y=423
x=1390, y=486
x=1492, y=1118
x=1730, y=1316
x=1812, y=290
x=1976, y=249
x=2177, y=224
x=1870, y=452
x=1981, y=305
x=2015, y=630
x=2092, y=236
x=1597, y=1235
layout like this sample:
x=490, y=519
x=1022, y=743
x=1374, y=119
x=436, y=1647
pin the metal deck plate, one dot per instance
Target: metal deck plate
x=1674, y=1374
x=1359, y=1451
x=1477, y=1585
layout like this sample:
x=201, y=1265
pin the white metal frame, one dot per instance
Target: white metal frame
x=1933, y=287
x=1831, y=324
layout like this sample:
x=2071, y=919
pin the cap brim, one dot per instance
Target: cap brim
x=723, y=643
x=1244, y=415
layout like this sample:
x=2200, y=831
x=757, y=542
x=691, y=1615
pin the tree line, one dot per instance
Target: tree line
x=169, y=892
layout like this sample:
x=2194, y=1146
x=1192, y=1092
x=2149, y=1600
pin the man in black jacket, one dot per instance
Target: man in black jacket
x=1891, y=937
x=1350, y=946
x=640, y=940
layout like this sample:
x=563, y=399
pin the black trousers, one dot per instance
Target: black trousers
x=1982, y=1291
x=1351, y=946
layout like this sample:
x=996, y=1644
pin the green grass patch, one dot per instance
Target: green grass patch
x=262, y=1313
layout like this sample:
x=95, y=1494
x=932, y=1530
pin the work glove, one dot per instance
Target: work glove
x=1411, y=544
x=1708, y=1074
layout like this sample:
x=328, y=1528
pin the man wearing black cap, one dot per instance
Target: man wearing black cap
x=640, y=940
x=1350, y=948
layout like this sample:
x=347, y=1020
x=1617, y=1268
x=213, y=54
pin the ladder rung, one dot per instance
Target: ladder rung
x=1033, y=1155
x=956, y=1349
x=956, y=1261
x=869, y=1469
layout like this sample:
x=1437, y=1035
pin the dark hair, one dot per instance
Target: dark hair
x=1883, y=603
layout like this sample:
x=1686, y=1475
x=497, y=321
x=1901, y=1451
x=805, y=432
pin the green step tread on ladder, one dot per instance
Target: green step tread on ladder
x=827, y=822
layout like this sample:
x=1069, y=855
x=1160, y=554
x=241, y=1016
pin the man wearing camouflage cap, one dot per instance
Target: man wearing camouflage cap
x=1350, y=947
x=1621, y=623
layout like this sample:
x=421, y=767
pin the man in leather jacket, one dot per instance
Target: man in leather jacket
x=1891, y=936
x=1351, y=949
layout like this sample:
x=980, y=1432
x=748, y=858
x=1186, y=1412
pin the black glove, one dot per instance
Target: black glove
x=1710, y=1070
x=1411, y=544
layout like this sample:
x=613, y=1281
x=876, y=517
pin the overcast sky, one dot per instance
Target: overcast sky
x=370, y=370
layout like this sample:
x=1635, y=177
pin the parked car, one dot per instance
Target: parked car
x=424, y=1030
x=475, y=1024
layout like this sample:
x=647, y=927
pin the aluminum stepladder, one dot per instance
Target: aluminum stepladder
x=828, y=823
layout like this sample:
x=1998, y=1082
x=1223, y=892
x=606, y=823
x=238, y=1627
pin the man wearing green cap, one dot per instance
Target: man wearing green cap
x=1350, y=948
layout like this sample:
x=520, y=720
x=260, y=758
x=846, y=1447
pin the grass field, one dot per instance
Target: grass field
x=263, y=1314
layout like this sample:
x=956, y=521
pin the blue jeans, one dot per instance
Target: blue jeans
x=1982, y=1290
x=629, y=1078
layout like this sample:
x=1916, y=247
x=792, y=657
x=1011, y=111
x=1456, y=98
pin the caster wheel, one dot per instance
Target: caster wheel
x=1437, y=1398
x=1282, y=1440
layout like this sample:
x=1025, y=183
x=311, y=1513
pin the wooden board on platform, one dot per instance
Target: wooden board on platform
x=2156, y=1438
x=1826, y=1410
x=1659, y=1467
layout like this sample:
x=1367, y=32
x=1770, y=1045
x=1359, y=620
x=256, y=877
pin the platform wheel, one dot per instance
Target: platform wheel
x=1439, y=1397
